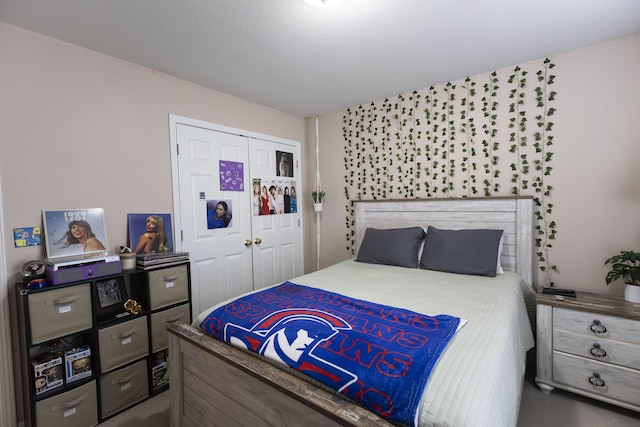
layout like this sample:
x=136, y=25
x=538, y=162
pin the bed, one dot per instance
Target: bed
x=477, y=381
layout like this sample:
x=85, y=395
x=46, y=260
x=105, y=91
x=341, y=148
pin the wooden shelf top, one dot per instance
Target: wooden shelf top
x=596, y=303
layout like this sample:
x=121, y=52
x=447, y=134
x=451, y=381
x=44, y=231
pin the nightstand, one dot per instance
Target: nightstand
x=589, y=345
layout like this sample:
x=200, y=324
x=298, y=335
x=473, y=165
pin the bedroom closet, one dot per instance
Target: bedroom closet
x=238, y=239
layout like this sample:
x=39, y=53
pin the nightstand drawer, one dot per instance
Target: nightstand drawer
x=59, y=312
x=74, y=408
x=615, y=382
x=123, y=388
x=162, y=319
x=600, y=349
x=168, y=286
x=586, y=323
x=123, y=343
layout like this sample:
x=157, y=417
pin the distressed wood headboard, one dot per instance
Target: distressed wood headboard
x=514, y=215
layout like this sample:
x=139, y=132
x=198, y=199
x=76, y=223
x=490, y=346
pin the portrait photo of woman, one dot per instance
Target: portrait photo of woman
x=80, y=233
x=284, y=162
x=154, y=239
x=150, y=233
x=218, y=214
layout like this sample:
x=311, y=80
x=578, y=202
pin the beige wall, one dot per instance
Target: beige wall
x=81, y=129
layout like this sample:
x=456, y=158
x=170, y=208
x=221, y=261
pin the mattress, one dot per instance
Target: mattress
x=478, y=379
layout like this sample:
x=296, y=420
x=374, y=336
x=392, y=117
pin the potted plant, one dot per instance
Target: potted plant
x=626, y=266
x=318, y=197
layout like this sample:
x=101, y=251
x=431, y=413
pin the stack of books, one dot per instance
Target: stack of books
x=158, y=260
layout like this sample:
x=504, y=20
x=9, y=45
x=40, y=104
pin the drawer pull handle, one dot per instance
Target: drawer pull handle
x=596, y=381
x=598, y=328
x=126, y=379
x=171, y=278
x=596, y=351
x=125, y=334
x=172, y=319
x=61, y=301
x=70, y=404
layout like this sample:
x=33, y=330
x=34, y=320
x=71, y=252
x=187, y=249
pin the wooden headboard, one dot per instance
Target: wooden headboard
x=514, y=215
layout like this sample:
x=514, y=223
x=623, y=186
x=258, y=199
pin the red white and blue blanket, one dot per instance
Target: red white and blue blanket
x=379, y=356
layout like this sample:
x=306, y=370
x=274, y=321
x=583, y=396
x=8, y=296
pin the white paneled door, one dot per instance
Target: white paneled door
x=277, y=252
x=251, y=251
x=221, y=263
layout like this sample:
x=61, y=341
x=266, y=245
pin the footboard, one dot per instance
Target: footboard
x=213, y=383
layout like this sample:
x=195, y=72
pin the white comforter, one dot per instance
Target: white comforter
x=478, y=380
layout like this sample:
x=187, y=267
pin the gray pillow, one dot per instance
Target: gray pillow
x=395, y=246
x=462, y=251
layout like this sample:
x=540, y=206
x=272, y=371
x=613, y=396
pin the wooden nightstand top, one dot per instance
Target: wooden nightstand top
x=595, y=303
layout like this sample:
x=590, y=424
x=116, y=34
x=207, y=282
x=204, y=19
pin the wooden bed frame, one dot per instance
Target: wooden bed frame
x=213, y=383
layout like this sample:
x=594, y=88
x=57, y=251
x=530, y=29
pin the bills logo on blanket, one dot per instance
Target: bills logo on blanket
x=379, y=356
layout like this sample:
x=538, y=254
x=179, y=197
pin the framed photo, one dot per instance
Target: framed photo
x=109, y=298
x=109, y=293
x=73, y=232
x=150, y=233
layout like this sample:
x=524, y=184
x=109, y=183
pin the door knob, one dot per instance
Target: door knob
x=247, y=243
x=257, y=240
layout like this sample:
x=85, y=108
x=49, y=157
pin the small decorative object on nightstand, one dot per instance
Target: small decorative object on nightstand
x=589, y=345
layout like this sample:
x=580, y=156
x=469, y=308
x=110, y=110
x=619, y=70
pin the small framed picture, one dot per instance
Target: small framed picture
x=73, y=232
x=110, y=296
x=109, y=293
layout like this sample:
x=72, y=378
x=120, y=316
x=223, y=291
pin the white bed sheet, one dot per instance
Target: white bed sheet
x=478, y=380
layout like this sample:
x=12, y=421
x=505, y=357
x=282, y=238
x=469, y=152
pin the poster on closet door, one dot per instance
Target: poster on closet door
x=274, y=196
x=284, y=162
x=219, y=213
x=231, y=176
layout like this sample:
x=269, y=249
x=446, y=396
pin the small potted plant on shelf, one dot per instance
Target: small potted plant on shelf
x=626, y=266
x=318, y=197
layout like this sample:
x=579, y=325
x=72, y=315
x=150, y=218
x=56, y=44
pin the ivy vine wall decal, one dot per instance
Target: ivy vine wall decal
x=486, y=136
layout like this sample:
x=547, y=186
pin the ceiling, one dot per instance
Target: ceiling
x=305, y=60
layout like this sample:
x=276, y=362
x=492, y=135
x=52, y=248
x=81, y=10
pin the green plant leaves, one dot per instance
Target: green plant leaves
x=451, y=140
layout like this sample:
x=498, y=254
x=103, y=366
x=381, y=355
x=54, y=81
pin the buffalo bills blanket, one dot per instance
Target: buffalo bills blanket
x=379, y=356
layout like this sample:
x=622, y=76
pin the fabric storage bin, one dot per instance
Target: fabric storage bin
x=74, y=408
x=168, y=286
x=160, y=321
x=123, y=387
x=123, y=343
x=58, y=312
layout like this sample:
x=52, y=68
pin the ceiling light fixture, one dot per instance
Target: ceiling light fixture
x=323, y=3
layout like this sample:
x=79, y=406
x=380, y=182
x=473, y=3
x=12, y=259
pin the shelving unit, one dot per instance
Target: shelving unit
x=94, y=357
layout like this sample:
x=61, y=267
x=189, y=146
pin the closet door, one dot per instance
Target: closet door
x=253, y=250
x=221, y=260
x=277, y=236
